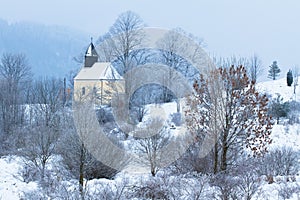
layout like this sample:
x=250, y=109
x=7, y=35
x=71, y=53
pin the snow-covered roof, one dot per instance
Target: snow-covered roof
x=99, y=71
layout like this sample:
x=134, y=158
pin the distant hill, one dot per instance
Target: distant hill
x=49, y=49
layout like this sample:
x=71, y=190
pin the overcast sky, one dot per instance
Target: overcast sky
x=269, y=28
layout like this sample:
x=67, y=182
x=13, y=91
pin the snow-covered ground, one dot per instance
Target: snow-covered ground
x=274, y=87
x=13, y=186
x=286, y=136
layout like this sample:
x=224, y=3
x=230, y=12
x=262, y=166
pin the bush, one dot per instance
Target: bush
x=138, y=113
x=29, y=172
x=104, y=115
x=286, y=190
x=164, y=186
x=226, y=185
x=279, y=162
x=278, y=108
x=247, y=177
x=153, y=188
x=71, y=150
x=293, y=114
x=191, y=161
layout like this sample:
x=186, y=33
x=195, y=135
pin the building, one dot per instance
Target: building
x=98, y=80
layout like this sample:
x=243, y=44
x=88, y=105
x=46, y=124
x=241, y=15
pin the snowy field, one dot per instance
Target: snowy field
x=280, y=87
x=13, y=186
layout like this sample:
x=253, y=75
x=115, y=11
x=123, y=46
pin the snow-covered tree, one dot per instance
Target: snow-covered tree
x=278, y=108
x=80, y=148
x=274, y=71
x=255, y=68
x=173, y=43
x=121, y=43
x=14, y=76
x=157, y=137
x=227, y=108
x=44, y=122
x=295, y=77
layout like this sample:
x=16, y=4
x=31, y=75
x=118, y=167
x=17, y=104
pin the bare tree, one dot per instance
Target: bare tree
x=172, y=44
x=255, y=68
x=233, y=60
x=14, y=74
x=40, y=146
x=81, y=148
x=122, y=42
x=243, y=115
x=128, y=33
x=47, y=96
x=44, y=122
x=226, y=185
x=151, y=140
x=296, y=76
x=248, y=179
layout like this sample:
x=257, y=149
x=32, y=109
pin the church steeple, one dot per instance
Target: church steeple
x=91, y=55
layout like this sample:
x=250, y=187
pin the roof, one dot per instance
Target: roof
x=91, y=51
x=99, y=71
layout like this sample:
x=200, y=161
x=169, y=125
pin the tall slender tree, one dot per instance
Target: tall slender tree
x=255, y=68
x=296, y=76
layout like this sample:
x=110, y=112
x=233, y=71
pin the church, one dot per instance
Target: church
x=98, y=80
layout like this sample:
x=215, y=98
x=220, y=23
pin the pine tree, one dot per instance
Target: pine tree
x=274, y=71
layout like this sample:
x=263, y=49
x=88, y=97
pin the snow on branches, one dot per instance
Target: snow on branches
x=225, y=105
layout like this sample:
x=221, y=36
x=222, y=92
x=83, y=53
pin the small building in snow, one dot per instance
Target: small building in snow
x=97, y=80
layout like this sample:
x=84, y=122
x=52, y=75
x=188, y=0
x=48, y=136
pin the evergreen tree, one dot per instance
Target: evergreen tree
x=274, y=71
x=278, y=108
x=289, y=78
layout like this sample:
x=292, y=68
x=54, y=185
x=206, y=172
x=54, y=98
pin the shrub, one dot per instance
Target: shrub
x=278, y=108
x=279, y=162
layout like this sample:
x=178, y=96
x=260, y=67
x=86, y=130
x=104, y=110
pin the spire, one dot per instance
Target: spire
x=91, y=55
x=91, y=51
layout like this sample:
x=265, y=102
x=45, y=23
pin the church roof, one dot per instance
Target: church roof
x=99, y=71
x=91, y=51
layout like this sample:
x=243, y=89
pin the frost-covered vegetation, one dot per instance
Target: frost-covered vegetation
x=23, y=175
x=253, y=130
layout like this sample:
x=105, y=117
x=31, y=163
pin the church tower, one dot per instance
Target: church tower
x=91, y=55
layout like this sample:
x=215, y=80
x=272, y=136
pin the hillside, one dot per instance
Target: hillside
x=16, y=183
x=49, y=49
x=280, y=87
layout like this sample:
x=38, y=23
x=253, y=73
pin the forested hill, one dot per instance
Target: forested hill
x=49, y=49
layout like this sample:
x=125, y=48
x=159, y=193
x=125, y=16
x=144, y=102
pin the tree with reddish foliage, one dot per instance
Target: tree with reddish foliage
x=226, y=107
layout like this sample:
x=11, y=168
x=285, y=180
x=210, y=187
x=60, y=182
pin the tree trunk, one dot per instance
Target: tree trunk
x=224, y=152
x=81, y=172
x=152, y=166
x=216, y=158
x=43, y=173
